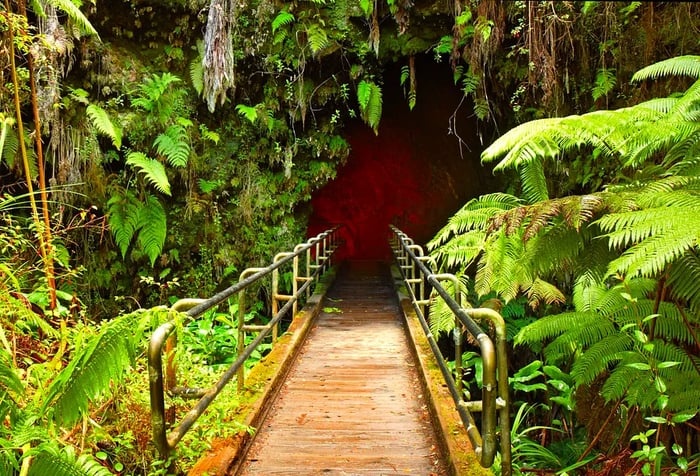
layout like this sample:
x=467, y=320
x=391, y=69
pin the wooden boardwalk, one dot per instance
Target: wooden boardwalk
x=352, y=403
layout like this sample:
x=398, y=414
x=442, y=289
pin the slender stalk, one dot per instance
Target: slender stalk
x=600, y=432
x=43, y=249
x=48, y=257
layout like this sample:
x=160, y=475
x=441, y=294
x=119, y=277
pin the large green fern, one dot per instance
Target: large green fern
x=93, y=368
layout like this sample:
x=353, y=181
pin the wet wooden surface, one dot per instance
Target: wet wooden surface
x=352, y=404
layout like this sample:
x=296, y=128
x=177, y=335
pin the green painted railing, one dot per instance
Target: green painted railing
x=317, y=252
x=494, y=405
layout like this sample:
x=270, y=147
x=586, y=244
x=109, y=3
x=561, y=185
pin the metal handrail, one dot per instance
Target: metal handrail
x=494, y=404
x=318, y=250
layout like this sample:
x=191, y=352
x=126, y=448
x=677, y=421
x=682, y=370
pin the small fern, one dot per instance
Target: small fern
x=152, y=225
x=123, y=218
x=102, y=122
x=283, y=18
x=369, y=98
x=153, y=171
x=174, y=145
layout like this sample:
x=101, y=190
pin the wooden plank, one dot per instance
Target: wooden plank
x=352, y=403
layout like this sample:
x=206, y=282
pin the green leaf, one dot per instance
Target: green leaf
x=123, y=213
x=639, y=366
x=369, y=97
x=283, y=18
x=152, y=228
x=249, y=112
x=153, y=171
x=174, y=145
x=102, y=122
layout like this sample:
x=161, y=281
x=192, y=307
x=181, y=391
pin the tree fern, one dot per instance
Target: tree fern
x=102, y=122
x=93, y=368
x=153, y=170
x=123, y=218
x=152, y=227
x=688, y=65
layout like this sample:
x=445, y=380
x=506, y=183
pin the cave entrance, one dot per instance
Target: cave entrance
x=412, y=174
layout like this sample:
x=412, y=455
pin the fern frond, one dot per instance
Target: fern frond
x=589, y=289
x=153, y=171
x=688, y=65
x=123, y=217
x=582, y=333
x=684, y=279
x=91, y=370
x=599, y=357
x=654, y=253
x=461, y=251
x=618, y=383
x=283, y=18
x=9, y=380
x=65, y=462
x=533, y=182
x=477, y=213
x=541, y=291
x=174, y=145
x=317, y=38
x=76, y=16
x=369, y=98
x=152, y=227
x=197, y=74
x=102, y=122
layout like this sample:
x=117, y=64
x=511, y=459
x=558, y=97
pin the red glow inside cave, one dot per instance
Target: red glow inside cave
x=412, y=174
x=380, y=184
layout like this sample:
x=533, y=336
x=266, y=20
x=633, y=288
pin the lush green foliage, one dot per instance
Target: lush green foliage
x=625, y=254
x=188, y=157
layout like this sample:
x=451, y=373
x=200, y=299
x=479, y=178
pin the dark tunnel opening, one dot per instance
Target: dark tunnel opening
x=413, y=174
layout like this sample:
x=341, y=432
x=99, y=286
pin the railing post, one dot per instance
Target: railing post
x=240, y=345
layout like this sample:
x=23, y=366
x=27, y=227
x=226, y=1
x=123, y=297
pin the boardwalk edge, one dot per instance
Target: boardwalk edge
x=452, y=437
x=262, y=384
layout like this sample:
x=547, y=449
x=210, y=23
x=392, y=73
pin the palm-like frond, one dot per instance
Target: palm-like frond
x=94, y=367
x=64, y=462
x=74, y=13
x=688, y=65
